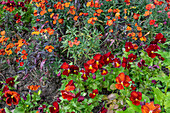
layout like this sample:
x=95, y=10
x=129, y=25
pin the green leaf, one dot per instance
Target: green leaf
x=159, y=96
x=19, y=110
x=7, y=110
x=134, y=107
x=144, y=97
x=128, y=110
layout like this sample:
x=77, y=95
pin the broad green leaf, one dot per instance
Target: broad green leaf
x=159, y=96
x=144, y=97
x=19, y=110
x=134, y=107
x=7, y=110
x=128, y=110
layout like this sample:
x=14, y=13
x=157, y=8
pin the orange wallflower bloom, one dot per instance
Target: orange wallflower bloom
x=127, y=2
x=50, y=31
x=143, y=38
x=91, y=3
x=134, y=38
x=49, y=48
x=43, y=12
x=125, y=17
x=35, y=13
x=149, y=6
x=135, y=46
x=109, y=22
x=61, y=21
x=139, y=28
x=111, y=30
x=54, y=21
x=67, y=4
x=50, y=10
x=125, y=11
x=72, y=10
x=70, y=43
x=33, y=87
x=99, y=10
x=75, y=18
x=9, y=52
x=108, y=17
x=76, y=42
x=110, y=10
x=52, y=14
x=35, y=33
x=147, y=13
x=136, y=16
x=152, y=22
x=3, y=33
x=128, y=28
x=10, y=45
x=139, y=34
x=92, y=20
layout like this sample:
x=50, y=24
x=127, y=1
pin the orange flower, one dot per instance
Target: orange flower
x=75, y=18
x=3, y=33
x=136, y=16
x=35, y=13
x=50, y=10
x=147, y=13
x=135, y=46
x=49, y=48
x=70, y=43
x=134, y=38
x=127, y=2
x=33, y=87
x=125, y=17
x=10, y=45
x=2, y=52
x=111, y=30
x=99, y=10
x=35, y=33
x=125, y=11
x=60, y=21
x=52, y=14
x=76, y=42
x=11, y=97
x=139, y=34
x=109, y=22
x=151, y=108
x=67, y=4
x=91, y=3
x=24, y=57
x=9, y=52
x=92, y=20
x=54, y=21
x=139, y=28
x=72, y=10
x=128, y=28
x=43, y=12
x=136, y=24
x=143, y=38
x=149, y=6
x=50, y=31
x=152, y=22
x=108, y=17
x=110, y=10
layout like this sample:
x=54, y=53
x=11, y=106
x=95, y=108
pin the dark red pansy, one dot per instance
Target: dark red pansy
x=108, y=58
x=80, y=98
x=84, y=75
x=128, y=46
x=93, y=94
x=99, y=60
x=12, y=97
x=125, y=63
x=151, y=49
x=70, y=86
x=74, y=69
x=117, y=62
x=67, y=95
x=54, y=109
x=91, y=66
x=133, y=87
x=103, y=110
x=136, y=97
x=132, y=57
x=10, y=81
x=103, y=71
x=122, y=80
x=160, y=57
x=141, y=64
x=5, y=89
x=159, y=38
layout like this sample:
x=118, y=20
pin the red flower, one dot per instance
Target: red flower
x=108, y=58
x=151, y=108
x=17, y=18
x=93, y=94
x=117, y=62
x=141, y=63
x=151, y=49
x=159, y=38
x=136, y=16
x=128, y=46
x=10, y=81
x=133, y=86
x=103, y=71
x=103, y=110
x=152, y=22
x=127, y=2
x=69, y=69
x=54, y=109
x=99, y=60
x=125, y=63
x=21, y=63
x=85, y=74
x=91, y=66
x=132, y=57
x=70, y=86
x=122, y=79
x=12, y=97
x=2, y=110
x=136, y=97
x=67, y=95
x=5, y=89
x=160, y=57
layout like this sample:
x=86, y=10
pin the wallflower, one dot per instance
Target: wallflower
x=33, y=87
x=151, y=108
x=152, y=22
x=128, y=28
x=12, y=97
x=122, y=80
x=149, y=6
x=136, y=16
x=127, y=2
x=147, y=13
x=93, y=94
x=136, y=97
x=54, y=109
x=109, y=22
x=49, y=48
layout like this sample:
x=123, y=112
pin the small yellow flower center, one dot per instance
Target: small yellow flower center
x=107, y=58
x=68, y=70
x=10, y=3
x=74, y=71
x=97, y=62
x=104, y=71
x=122, y=83
x=128, y=47
x=152, y=51
x=136, y=99
x=27, y=105
x=54, y=108
x=117, y=64
x=94, y=93
x=90, y=67
x=12, y=96
x=150, y=111
x=84, y=75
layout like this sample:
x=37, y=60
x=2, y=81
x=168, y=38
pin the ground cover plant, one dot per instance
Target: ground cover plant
x=84, y=56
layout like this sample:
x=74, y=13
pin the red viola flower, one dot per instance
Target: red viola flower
x=21, y=63
x=85, y=74
x=103, y=110
x=132, y=57
x=69, y=69
x=54, y=109
x=122, y=80
x=152, y=22
x=136, y=97
x=93, y=94
x=10, y=4
x=151, y=108
x=67, y=95
x=151, y=49
x=17, y=18
x=20, y=4
x=70, y=86
x=141, y=63
x=108, y=58
x=103, y=71
x=125, y=63
x=127, y=2
x=99, y=60
x=2, y=110
x=5, y=89
x=133, y=87
x=159, y=38
x=12, y=97
x=136, y=16
x=117, y=62
x=128, y=46
x=160, y=57
x=91, y=66
x=10, y=81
